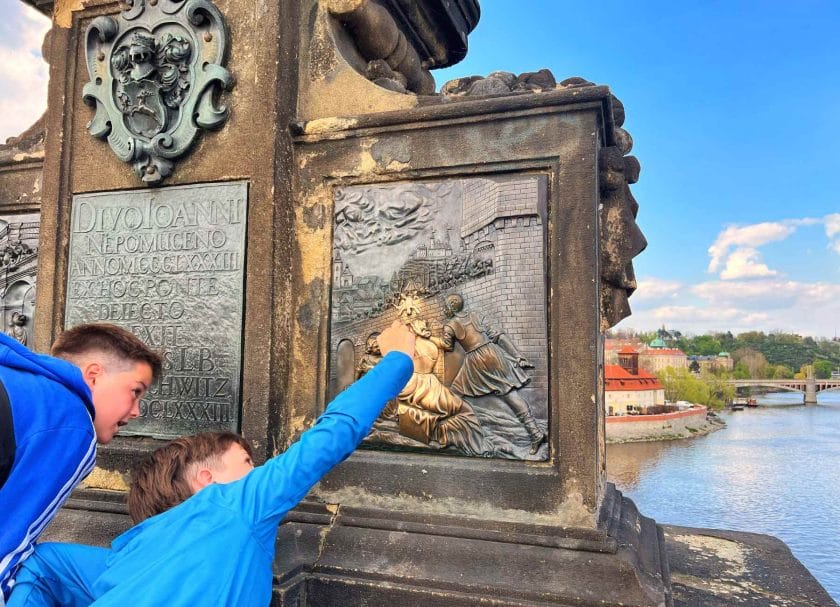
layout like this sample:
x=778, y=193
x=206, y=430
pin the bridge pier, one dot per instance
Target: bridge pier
x=810, y=391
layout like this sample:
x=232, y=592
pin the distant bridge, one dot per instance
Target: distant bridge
x=809, y=386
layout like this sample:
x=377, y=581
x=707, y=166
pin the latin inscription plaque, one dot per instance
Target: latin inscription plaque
x=168, y=265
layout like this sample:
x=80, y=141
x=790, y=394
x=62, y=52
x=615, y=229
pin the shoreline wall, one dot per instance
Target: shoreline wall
x=626, y=428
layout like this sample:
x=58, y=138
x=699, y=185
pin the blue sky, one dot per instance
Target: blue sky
x=733, y=107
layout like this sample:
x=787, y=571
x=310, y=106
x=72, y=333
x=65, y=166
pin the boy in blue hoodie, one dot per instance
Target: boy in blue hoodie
x=207, y=519
x=53, y=410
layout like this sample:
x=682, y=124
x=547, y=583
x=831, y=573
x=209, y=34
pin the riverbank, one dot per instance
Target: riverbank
x=677, y=425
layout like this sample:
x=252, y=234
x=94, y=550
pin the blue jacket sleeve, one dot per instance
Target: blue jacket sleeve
x=269, y=491
x=59, y=575
x=48, y=466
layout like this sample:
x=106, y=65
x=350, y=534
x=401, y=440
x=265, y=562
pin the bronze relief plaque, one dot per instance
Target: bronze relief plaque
x=462, y=263
x=168, y=265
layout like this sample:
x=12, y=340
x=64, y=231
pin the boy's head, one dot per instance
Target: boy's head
x=116, y=366
x=172, y=474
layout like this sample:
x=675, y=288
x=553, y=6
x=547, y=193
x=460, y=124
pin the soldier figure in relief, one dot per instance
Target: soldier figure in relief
x=488, y=367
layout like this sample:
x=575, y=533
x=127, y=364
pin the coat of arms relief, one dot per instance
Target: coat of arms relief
x=156, y=73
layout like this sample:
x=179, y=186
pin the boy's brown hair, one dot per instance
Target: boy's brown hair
x=109, y=339
x=161, y=480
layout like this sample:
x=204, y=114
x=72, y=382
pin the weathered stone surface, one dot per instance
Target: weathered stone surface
x=21, y=167
x=388, y=528
x=716, y=568
x=499, y=83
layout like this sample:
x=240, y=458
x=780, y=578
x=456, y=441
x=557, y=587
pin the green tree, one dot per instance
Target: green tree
x=754, y=361
x=741, y=371
x=720, y=392
x=705, y=345
x=694, y=366
x=822, y=369
x=781, y=372
x=680, y=384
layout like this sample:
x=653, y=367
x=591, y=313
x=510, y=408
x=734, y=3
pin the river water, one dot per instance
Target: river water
x=774, y=470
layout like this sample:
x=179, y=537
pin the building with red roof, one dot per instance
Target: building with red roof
x=629, y=389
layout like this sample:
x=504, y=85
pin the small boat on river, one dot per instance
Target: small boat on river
x=740, y=402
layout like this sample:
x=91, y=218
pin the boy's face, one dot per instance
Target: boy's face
x=116, y=397
x=235, y=465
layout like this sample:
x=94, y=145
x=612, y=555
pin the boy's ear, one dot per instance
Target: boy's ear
x=92, y=371
x=202, y=478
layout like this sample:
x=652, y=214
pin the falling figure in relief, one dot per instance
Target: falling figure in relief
x=426, y=413
x=488, y=368
x=428, y=410
x=371, y=358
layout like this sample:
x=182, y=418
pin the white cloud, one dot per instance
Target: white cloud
x=767, y=290
x=651, y=288
x=807, y=308
x=736, y=247
x=23, y=73
x=745, y=262
x=832, y=230
x=752, y=236
x=697, y=313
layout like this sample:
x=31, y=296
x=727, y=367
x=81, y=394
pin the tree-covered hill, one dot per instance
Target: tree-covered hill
x=787, y=349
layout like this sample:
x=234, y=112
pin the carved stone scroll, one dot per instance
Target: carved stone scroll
x=621, y=237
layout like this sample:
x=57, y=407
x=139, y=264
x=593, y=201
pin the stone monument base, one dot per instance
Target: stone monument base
x=333, y=555
x=341, y=556
x=368, y=557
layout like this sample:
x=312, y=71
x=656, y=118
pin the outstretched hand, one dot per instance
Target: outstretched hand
x=396, y=337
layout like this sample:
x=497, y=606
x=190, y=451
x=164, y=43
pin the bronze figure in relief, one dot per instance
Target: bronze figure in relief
x=491, y=365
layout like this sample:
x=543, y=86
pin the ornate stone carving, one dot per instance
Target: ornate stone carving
x=391, y=60
x=18, y=274
x=621, y=237
x=12, y=254
x=156, y=72
x=17, y=328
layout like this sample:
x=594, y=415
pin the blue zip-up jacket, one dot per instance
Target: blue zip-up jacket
x=217, y=547
x=52, y=414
